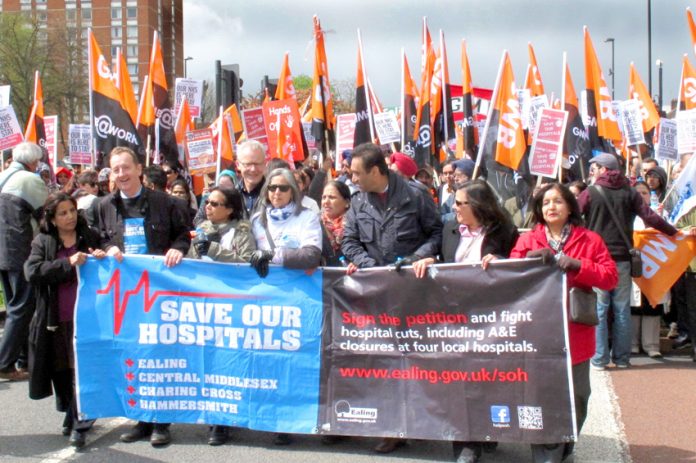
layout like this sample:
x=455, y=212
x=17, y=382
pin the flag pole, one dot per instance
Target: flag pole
x=403, y=99
x=483, y=139
x=218, y=167
x=445, y=109
x=93, y=146
x=563, y=94
x=366, y=86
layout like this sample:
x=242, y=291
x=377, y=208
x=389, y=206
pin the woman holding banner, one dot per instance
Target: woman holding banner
x=286, y=233
x=63, y=244
x=482, y=232
x=223, y=237
x=559, y=238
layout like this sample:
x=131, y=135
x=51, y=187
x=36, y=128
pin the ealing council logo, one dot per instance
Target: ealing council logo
x=500, y=416
x=346, y=413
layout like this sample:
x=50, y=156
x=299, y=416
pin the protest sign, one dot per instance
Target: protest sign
x=524, y=99
x=345, y=132
x=192, y=90
x=10, y=131
x=664, y=260
x=666, y=147
x=309, y=136
x=536, y=104
x=214, y=343
x=387, y=127
x=686, y=131
x=51, y=129
x=284, y=129
x=631, y=122
x=4, y=95
x=80, y=144
x=547, y=147
x=201, y=151
x=252, y=120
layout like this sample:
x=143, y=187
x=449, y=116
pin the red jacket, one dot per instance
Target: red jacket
x=597, y=270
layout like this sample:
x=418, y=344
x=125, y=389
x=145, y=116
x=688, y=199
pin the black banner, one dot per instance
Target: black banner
x=463, y=354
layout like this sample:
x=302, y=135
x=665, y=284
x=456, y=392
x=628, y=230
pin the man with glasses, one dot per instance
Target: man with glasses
x=251, y=160
x=136, y=220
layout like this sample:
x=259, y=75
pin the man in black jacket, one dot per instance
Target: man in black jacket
x=626, y=204
x=136, y=220
x=389, y=222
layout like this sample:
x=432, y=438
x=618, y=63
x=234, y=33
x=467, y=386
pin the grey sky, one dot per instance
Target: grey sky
x=256, y=34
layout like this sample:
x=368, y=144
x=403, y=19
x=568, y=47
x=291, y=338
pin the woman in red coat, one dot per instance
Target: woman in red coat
x=559, y=237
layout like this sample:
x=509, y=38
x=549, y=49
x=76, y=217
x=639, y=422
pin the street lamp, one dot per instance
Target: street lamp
x=611, y=70
x=186, y=60
x=658, y=63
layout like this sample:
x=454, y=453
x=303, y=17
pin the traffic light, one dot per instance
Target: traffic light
x=229, y=84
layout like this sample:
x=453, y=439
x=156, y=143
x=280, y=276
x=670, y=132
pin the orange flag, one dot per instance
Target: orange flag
x=509, y=143
x=125, y=86
x=111, y=123
x=322, y=113
x=184, y=123
x=664, y=260
x=469, y=132
x=285, y=88
x=364, y=128
x=637, y=91
x=598, y=95
x=532, y=80
x=692, y=27
x=409, y=98
x=423, y=134
x=35, y=131
x=235, y=120
x=687, y=85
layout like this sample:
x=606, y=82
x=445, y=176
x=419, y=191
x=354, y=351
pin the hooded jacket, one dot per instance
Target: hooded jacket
x=627, y=204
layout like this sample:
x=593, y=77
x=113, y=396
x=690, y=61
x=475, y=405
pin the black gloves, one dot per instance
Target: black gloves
x=546, y=254
x=260, y=260
x=201, y=247
x=408, y=260
x=568, y=264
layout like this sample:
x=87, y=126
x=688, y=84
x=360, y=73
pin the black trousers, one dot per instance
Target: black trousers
x=20, y=305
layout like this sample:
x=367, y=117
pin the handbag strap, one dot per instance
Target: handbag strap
x=613, y=216
x=270, y=240
x=8, y=178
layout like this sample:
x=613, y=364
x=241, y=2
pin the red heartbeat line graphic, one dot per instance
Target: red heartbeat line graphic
x=120, y=306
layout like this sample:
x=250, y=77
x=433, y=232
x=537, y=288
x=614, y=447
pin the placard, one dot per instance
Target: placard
x=80, y=144
x=10, y=131
x=51, y=129
x=192, y=90
x=345, y=131
x=631, y=118
x=252, y=119
x=201, y=151
x=284, y=129
x=666, y=147
x=387, y=127
x=4, y=95
x=686, y=131
x=547, y=148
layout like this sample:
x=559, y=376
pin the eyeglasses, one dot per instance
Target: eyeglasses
x=461, y=203
x=214, y=203
x=246, y=165
x=168, y=171
x=282, y=188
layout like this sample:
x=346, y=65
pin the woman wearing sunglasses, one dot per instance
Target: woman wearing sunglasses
x=286, y=233
x=223, y=237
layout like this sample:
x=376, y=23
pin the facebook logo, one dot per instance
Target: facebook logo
x=500, y=414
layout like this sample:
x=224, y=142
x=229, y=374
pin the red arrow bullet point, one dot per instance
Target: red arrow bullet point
x=129, y=362
x=132, y=402
x=130, y=376
x=130, y=389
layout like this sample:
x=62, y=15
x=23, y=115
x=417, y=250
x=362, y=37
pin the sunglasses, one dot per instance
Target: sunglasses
x=167, y=171
x=214, y=203
x=282, y=188
x=461, y=203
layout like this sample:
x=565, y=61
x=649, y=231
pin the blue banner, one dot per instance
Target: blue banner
x=199, y=343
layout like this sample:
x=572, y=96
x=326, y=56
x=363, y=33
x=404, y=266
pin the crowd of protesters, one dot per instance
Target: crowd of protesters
x=378, y=209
